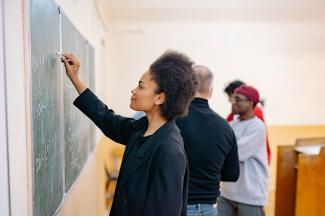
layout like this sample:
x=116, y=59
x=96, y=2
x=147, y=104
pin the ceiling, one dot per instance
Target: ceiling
x=209, y=4
x=126, y=10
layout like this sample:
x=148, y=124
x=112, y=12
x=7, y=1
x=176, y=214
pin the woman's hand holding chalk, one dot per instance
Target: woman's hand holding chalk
x=71, y=64
x=63, y=57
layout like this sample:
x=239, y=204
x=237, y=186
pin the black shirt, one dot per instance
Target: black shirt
x=211, y=149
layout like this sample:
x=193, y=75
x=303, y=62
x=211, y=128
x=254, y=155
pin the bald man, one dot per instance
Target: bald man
x=210, y=146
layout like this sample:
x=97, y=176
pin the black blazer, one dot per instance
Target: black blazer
x=153, y=178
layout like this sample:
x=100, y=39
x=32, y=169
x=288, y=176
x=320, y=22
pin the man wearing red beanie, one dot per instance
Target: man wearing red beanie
x=258, y=111
x=248, y=195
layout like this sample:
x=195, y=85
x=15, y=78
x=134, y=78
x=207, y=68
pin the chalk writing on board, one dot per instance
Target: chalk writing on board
x=61, y=134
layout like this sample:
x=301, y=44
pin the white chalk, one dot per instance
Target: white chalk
x=60, y=54
x=63, y=57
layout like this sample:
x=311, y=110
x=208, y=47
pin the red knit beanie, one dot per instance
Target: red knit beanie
x=250, y=92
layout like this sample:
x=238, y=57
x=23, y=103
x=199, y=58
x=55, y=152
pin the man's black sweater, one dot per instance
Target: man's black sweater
x=211, y=149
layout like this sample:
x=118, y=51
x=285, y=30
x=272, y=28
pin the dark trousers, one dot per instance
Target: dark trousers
x=228, y=207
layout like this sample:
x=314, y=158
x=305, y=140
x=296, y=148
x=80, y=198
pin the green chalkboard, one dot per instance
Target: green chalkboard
x=62, y=137
x=46, y=85
x=77, y=127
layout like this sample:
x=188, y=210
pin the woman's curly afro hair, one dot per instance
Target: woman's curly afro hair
x=174, y=74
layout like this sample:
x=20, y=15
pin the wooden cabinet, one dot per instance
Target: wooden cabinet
x=300, y=184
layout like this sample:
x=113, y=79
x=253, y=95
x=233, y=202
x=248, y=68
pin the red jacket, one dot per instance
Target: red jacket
x=259, y=113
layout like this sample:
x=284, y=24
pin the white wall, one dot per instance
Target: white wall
x=282, y=55
x=85, y=17
x=4, y=177
x=16, y=107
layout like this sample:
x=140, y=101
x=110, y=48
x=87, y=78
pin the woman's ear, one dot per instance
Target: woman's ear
x=160, y=98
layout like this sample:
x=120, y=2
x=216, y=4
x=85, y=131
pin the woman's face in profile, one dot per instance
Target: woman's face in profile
x=144, y=98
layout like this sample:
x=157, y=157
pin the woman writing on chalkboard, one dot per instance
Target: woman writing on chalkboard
x=153, y=178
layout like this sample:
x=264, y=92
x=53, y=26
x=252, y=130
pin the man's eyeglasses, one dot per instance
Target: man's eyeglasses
x=236, y=99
